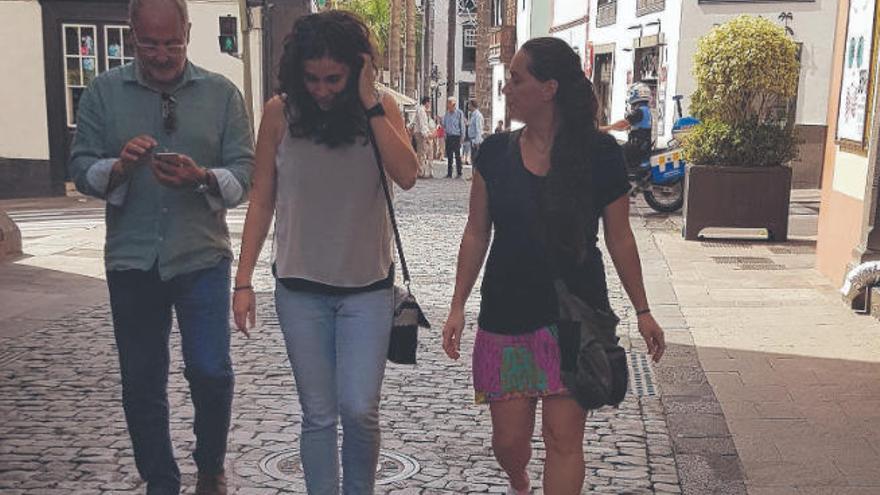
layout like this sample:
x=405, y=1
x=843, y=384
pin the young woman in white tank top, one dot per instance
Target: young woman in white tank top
x=315, y=170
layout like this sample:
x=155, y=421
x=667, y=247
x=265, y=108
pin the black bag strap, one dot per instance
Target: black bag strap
x=384, y=180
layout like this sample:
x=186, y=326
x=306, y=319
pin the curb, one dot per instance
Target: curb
x=705, y=455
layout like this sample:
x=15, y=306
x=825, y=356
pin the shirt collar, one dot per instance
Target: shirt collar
x=132, y=73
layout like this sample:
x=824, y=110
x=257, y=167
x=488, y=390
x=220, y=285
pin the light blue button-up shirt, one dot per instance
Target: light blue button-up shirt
x=148, y=224
x=453, y=122
x=475, y=127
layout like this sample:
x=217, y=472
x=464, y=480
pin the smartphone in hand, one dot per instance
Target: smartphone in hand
x=169, y=158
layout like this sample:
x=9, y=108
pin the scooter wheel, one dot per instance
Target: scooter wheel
x=665, y=198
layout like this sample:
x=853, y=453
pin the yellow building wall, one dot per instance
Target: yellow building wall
x=843, y=181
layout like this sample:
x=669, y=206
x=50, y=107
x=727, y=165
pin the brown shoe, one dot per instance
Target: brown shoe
x=211, y=484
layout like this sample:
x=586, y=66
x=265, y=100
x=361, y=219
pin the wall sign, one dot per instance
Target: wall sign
x=858, y=73
x=756, y=1
x=588, y=60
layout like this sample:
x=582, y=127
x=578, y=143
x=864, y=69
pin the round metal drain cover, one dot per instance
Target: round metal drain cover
x=285, y=465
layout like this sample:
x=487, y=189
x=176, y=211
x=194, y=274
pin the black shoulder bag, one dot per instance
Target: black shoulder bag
x=408, y=315
x=592, y=364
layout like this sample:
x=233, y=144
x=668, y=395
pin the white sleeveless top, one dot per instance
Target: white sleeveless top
x=332, y=224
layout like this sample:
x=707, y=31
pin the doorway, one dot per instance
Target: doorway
x=80, y=41
x=603, y=71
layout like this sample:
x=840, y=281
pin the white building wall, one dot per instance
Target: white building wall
x=255, y=40
x=440, y=48
x=23, y=121
x=534, y=18
x=499, y=109
x=466, y=76
x=622, y=37
x=204, y=49
x=576, y=37
x=440, y=40
x=568, y=10
x=523, y=21
x=541, y=17
x=813, y=24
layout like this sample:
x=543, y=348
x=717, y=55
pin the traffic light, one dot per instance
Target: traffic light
x=228, y=35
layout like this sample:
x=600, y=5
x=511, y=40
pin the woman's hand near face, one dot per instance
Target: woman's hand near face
x=367, y=83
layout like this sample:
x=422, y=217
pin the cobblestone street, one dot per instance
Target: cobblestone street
x=63, y=430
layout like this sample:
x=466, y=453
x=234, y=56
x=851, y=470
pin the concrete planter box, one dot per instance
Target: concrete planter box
x=10, y=238
x=737, y=197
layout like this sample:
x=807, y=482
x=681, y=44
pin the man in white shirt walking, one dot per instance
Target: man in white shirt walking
x=422, y=131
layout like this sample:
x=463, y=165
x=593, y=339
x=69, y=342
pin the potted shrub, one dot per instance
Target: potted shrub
x=746, y=72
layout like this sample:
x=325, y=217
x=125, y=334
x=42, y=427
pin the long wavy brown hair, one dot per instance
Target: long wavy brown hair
x=343, y=37
x=569, y=205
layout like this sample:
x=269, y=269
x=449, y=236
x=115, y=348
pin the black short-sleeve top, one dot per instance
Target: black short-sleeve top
x=517, y=294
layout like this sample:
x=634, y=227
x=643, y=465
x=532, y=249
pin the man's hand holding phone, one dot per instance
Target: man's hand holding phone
x=135, y=152
x=167, y=157
x=177, y=170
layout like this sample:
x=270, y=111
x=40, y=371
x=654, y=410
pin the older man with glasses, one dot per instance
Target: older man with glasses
x=169, y=146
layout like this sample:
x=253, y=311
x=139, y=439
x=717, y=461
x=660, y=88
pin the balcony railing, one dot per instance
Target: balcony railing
x=502, y=43
x=649, y=6
x=606, y=14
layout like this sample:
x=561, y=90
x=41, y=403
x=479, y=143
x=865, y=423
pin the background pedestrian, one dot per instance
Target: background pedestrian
x=422, y=131
x=454, y=127
x=475, y=127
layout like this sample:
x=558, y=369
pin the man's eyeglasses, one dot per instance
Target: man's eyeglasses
x=169, y=117
x=152, y=49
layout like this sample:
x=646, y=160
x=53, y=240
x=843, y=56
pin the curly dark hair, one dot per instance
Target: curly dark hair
x=569, y=204
x=343, y=37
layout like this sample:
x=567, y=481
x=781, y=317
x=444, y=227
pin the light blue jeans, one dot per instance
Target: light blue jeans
x=337, y=346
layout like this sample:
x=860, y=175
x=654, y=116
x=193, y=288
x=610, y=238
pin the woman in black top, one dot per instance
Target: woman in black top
x=543, y=190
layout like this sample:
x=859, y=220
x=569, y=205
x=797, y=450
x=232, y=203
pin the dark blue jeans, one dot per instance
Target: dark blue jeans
x=142, y=304
x=453, y=148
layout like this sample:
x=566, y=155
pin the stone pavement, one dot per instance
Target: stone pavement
x=61, y=269
x=63, y=429
x=766, y=416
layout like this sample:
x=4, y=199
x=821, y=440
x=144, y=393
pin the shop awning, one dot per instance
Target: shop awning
x=401, y=99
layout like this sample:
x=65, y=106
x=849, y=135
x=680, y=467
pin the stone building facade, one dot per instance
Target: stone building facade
x=496, y=44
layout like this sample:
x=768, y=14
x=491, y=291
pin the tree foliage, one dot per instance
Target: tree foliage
x=749, y=144
x=746, y=70
x=743, y=68
x=376, y=14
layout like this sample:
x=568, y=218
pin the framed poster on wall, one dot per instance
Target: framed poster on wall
x=856, y=84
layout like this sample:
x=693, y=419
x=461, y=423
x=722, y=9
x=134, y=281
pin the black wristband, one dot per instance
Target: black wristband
x=640, y=312
x=376, y=110
x=242, y=287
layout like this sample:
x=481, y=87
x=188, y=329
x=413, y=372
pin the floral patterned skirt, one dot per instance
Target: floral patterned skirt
x=516, y=366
